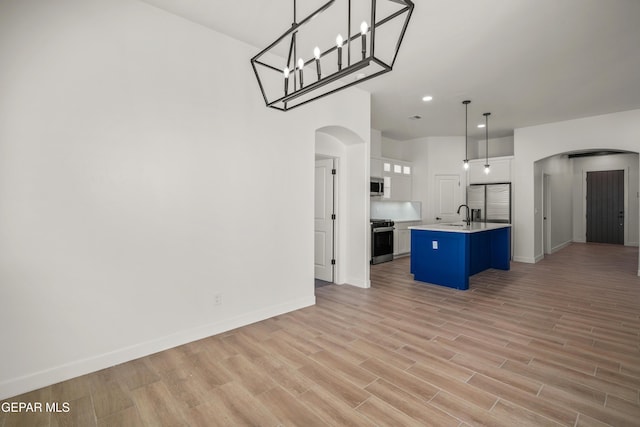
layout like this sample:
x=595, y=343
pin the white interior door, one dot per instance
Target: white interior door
x=448, y=196
x=323, y=220
x=546, y=213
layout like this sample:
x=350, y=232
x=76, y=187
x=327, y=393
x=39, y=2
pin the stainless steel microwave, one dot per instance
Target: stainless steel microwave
x=377, y=187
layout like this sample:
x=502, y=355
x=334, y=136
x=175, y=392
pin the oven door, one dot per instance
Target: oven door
x=381, y=244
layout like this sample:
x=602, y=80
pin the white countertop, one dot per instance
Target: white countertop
x=460, y=227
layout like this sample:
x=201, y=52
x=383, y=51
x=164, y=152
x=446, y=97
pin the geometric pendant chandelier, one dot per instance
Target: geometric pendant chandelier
x=343, y=43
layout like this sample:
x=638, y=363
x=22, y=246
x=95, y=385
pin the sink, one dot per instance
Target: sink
x=453, y=225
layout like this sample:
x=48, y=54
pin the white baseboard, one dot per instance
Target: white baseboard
x=634, y=244
x=36, y=380
x=524, y=259
x=360, y=283
x=560, y=246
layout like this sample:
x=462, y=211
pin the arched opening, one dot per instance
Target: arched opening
x=561, y=186
x=535, y=147
x=350, y=154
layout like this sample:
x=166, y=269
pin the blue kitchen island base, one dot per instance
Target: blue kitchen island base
x=447, y=254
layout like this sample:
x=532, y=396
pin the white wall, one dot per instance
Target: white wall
x=498, y=147
x=393, y=149
x=616, y=131
x=560, y=218
x=626, y=162
x=376, y=143
x=140, y=176
x=434, y=156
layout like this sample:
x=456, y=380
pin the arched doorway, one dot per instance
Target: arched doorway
x=618, y=131
x=562, y=185
x=350, y=154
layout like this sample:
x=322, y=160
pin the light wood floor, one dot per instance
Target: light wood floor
x=556, y=343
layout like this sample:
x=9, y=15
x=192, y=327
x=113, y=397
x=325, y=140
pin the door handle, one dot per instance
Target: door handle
x=438, y=218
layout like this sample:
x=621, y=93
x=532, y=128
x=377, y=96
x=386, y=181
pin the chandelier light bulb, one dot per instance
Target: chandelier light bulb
x=286, y=80
x=339, y=41
x=316, y=53
x=466, y=165
x=487, y=169
x=300, y=67
x=363, y=29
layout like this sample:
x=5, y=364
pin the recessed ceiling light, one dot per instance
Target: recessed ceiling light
x=415, y=117
x=481, y=125
x=427, y=98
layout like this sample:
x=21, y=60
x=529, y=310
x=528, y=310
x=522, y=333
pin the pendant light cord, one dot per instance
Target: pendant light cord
x=466, y=133
x=466, y=130
x=486, y=146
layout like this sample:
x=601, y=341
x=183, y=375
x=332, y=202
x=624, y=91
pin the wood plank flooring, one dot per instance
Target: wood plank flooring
x=551, y=344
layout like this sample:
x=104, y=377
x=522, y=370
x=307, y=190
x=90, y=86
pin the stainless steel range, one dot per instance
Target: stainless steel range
x=381, y=240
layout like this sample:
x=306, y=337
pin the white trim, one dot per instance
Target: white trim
x=525, y=259
x=16, y=386
x=546, y=213
x=360, y=283
x=560, y=246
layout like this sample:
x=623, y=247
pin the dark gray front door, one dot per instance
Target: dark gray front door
x=605, y=207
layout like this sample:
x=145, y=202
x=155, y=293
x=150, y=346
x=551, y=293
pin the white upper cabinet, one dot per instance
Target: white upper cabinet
x=500, y=171
x=397, y=177
x=376, y=168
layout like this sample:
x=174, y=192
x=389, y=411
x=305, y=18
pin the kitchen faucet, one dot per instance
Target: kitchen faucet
x=468, y=220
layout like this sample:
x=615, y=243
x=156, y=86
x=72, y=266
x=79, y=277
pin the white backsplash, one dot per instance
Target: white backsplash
x=396, y=211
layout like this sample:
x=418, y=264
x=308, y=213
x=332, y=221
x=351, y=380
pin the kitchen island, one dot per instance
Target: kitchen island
x=448, y=254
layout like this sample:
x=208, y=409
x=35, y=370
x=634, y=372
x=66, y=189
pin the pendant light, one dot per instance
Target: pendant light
x=486, y=146
x=466, y=134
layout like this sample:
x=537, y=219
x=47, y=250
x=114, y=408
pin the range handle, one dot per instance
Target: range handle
x=383, y=229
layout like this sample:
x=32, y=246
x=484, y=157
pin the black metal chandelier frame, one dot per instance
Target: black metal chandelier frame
x=286, y=100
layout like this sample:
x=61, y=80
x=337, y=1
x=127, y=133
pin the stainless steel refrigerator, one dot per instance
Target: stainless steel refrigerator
x=490, y=202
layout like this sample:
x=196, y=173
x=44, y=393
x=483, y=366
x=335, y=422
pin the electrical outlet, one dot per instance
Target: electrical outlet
x=217, y=299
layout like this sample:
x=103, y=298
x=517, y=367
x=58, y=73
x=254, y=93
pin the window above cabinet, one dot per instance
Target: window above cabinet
x=381, y=167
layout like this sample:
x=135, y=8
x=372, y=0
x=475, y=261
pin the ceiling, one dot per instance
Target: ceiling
x=528, y=62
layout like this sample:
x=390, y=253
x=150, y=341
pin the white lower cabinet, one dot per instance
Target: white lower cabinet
x=402, y=237
x=396, y=239
x=404, y=241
